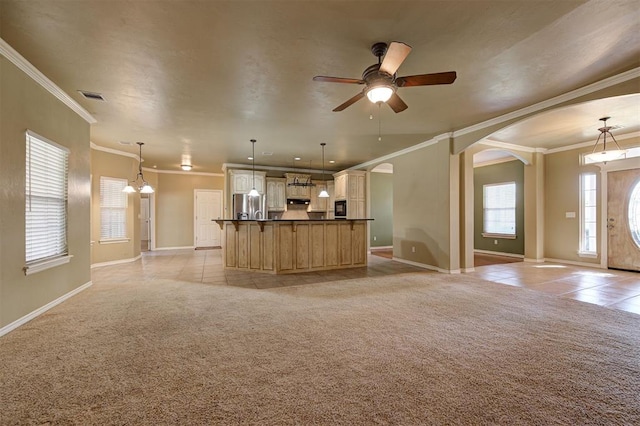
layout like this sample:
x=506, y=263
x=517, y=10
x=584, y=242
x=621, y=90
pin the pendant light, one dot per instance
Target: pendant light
x=323, y=193
x=606, y=154
x=143, y=185
x=253, y=192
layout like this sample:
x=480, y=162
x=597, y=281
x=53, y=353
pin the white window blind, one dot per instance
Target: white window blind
x=113, y=208
x=45, y=199
x=500, y=208
x=588, y=225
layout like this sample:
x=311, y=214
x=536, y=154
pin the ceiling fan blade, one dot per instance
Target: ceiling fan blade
x=350, y=102
x=338, y=80
x=397, y=104
x=427, y=79
x=395, y=56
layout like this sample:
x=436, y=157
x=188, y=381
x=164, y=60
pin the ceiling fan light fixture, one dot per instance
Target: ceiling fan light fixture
x=605, y=154
x=379, y=93
x=323, y=193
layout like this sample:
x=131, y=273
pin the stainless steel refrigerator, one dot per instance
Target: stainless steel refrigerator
x=249, y=208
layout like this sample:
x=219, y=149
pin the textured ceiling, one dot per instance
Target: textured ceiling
x=201, y=78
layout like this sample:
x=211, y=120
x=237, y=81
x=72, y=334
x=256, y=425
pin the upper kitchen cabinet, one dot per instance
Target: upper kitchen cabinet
x=322, y=205
x=350, y=186
x=242, y=181
x=297, y=187
x=276, y=194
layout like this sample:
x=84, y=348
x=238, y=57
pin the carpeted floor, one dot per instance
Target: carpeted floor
x=407, y=349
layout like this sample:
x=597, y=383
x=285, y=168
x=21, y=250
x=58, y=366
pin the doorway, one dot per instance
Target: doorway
x=145, y=221
x=207, y=208
x=623, y=221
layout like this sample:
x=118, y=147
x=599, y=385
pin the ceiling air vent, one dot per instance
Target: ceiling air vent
x=92, y=95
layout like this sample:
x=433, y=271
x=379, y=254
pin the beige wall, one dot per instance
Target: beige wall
x=562, y=194
x=421, y=206
x=174, y=206
x=121, y=167
x=27, y=105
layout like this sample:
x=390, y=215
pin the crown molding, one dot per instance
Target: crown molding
x=387, y=157
x=19, y=61
x=510, y=146
x=182, y=172
x=113, y=151
x=594, y=87
x=227, y=166
x=565, y=97
x=591, y=143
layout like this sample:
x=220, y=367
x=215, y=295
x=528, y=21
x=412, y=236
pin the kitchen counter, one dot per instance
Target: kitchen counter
x=282, y=246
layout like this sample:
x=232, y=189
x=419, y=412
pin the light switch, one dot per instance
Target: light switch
x=570, y=215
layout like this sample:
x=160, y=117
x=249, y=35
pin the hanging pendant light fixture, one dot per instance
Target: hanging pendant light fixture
x=605, y=154
x=323, y=193
x=143, y=185
x=253, y=192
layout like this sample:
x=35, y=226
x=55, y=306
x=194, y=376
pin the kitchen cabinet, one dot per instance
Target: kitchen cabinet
x=341, y=187
x=298, y=192
x=276, y=194
x=318, y=204
x=242, y=181
x=351, y=186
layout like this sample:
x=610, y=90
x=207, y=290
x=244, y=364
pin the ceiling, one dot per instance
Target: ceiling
x=199, y=79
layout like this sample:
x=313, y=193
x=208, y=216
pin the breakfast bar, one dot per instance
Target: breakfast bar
x=290, y=246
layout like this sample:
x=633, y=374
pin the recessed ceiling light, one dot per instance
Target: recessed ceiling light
x=249, y=158
x=186, y=167
x=331, y=161
x=124, y=143
x=267, y=153
x=296, y=158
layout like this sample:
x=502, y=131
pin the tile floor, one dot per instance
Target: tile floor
x=610, y=288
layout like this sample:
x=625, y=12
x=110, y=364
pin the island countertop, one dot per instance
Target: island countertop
x=284, y=246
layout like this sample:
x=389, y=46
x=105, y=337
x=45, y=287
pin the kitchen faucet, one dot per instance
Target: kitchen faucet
x=258, y=212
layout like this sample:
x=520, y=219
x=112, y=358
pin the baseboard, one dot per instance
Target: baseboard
x=499, y=253
x=380, y=248
x=468, y=270
x=17, y=323
x=175, y=248
x=425, y=266
x=115, y=262
x=573, y=262
x=530, y=260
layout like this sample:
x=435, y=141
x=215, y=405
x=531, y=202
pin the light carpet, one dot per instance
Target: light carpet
x=407, y=349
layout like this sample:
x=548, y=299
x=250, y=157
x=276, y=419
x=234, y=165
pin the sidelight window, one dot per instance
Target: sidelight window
x=588, y=213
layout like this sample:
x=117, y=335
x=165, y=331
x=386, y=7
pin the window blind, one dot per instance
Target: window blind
x=500, y=208
x=46, y=199
x=113, y=208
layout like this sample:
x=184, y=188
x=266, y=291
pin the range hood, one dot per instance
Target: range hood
x=297, y=201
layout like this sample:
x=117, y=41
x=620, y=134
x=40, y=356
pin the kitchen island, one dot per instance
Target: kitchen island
x=290, y=246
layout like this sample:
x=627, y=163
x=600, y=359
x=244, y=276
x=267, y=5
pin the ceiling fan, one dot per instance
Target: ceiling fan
x=380, y=79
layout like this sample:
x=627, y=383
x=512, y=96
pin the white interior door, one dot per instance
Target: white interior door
x=144, y=219
x=623, y=190
x=208, y=207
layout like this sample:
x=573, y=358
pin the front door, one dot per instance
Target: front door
x=623, y=208
x=208, y=207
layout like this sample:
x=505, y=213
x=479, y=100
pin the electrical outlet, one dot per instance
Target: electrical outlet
x=413, y=249
x=375, y=238
x=495, y=242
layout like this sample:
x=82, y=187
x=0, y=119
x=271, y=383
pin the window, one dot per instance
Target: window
x=588, y=211
x=45, y=201
x=113, y=209
x=499, y=209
